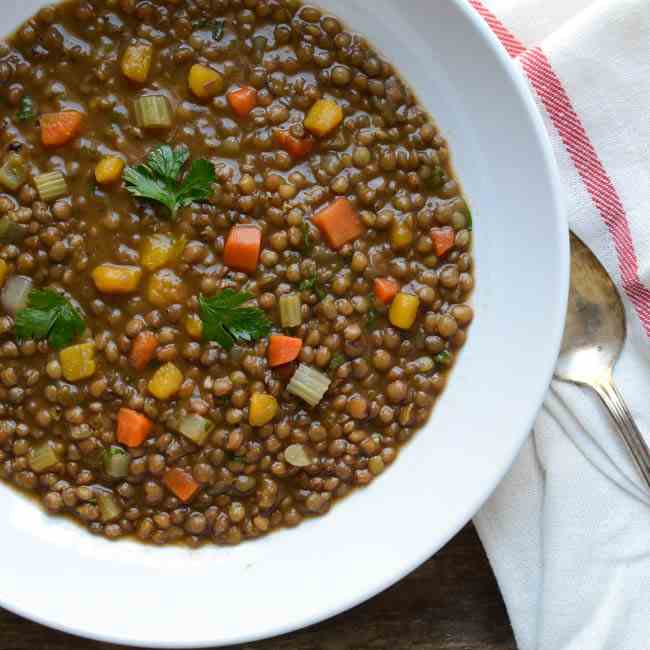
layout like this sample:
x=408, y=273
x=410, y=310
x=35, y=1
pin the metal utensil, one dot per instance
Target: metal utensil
x=594, y=335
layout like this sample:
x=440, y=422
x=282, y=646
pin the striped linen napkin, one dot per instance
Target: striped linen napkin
x=568, y=529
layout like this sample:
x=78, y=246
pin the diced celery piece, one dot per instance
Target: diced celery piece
x=13, y=172
x=290, y=311
x=11, y=232
x=42, y=457
x=51, y=186
x=15, y=293
x=109, y=508
x=153, y=112
x=195, y=428
x=309, y=384
x=116, y=461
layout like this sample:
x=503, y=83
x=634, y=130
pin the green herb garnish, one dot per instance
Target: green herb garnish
x=27, y=110
x=437, y=178
x=226, y=321
x=443, y=358
x=337, y=361
x=312, y=284
x=49, y=315
x=371, y=317
x=307, y=242
x=217, y=27
x=158, y=178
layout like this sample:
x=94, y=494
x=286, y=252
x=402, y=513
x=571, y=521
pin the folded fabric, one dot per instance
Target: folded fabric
x=568, y=530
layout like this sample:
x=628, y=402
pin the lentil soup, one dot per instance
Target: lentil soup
x=234, y=265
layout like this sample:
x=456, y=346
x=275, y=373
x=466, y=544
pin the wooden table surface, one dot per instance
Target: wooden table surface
x=450, y=603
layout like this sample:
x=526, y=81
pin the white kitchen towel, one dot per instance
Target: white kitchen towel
x=568, y=529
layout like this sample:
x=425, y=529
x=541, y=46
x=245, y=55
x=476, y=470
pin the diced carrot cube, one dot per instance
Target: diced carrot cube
x=339, y=223
x=385, y=289
x=180, y=483
x=243, y=100
x=58, y=129
x=443, y=239
x=283, y=349
x=242, y=248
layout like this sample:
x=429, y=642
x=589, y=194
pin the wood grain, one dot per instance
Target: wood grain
x=450, y=603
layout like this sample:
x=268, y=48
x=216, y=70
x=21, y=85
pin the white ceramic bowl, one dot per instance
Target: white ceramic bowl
x=55, y=573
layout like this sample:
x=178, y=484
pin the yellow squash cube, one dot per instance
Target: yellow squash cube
x=78, y=361
x=194, y=326
x=160, y=250
x=166, y=381
x=401, y=234
x=404, y=310
x=165, y=288
x=116, y=278
x=136, y=62
x=323, y=117
x=204, y=82
x=4, y=271
x=109, y=170
x=263, y=409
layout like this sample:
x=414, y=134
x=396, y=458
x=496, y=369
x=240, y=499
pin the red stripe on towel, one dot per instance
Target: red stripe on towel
x=551, y=92
x=513, y=45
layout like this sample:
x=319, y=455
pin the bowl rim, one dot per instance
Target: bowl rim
x=524, y=95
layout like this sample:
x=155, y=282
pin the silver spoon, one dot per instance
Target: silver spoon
x=594, y=335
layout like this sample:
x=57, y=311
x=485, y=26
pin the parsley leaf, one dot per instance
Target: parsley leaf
x=27, y=110
x=437, y=178
x=217, y=26
x=443, y=358
x=307, y=241
x=371, y=317
x=337, y=361
x=312, y=284
x=157, y=179
x=167, y=162
x=49, y=315
x=226, y=321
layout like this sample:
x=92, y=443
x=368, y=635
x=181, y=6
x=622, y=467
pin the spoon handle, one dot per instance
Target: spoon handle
x=630, y=433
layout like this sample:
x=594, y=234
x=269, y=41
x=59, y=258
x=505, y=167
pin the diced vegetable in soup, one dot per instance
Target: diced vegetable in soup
x=235, y=265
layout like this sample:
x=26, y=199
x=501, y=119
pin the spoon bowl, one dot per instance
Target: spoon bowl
x=594, y=335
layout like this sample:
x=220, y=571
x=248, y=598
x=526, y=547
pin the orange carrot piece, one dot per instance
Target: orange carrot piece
x=143, y=349
x=385, y=289
x=58, y=129
x=132, y=427
x=283, y=349
x=339, y=223
x=242, y=248
x=243, y=100
x=443, y=239
x=181, y=483
x=296, y=147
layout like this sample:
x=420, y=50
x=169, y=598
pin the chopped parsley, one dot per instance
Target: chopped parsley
x=217, y=27
x=157, y=179
x=437, y=178
x=312, y=284
x=443, y=358
x=337, y=361
x=226, y=320
x=307, y=241
x=49, y=315
x=27, y=111
x=371, y=317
